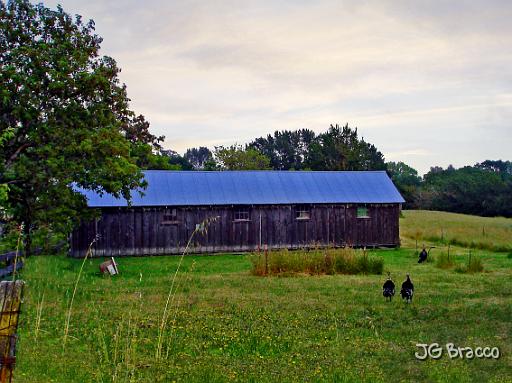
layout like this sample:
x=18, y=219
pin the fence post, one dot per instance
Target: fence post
x=10, y=302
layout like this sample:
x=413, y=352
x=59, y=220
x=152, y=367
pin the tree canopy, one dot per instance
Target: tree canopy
x=339, y=148
x=406, y=179
x=480, y=189
x=68, y=116
x=236, y=157
x=199, y=158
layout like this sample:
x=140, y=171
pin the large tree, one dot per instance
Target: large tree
x=285, y=149
x=199, y=158
x=339, y=148
x=236, y=157
x=406, y=180
x=68, y=115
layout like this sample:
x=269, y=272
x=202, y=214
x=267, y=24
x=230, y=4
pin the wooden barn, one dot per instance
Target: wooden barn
x=247, y=210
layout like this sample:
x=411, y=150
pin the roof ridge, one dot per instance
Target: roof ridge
x=256, y=187
x=264, y=171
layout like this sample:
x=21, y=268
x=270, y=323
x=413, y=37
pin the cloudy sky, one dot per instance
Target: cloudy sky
x=427, y=82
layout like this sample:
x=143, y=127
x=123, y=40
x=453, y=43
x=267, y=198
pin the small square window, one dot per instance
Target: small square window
x=302, y=213
x=242, y=215
x=362, y=212
x=170, y=217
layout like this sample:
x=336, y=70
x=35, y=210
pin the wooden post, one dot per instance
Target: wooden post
x=10, y=302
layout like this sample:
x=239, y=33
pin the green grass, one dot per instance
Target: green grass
x=437, y=227
x=228, y=325
x=225, y=324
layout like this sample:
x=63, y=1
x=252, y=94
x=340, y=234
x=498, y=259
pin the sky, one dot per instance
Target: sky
x=428, y=83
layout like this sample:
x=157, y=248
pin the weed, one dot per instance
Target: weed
x=325, y=261
x=444, y=262
x=475, y=265
x=39, y=313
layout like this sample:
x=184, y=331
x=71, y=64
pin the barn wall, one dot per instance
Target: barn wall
x=143, y=231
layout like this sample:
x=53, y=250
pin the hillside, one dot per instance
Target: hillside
x=456, y=229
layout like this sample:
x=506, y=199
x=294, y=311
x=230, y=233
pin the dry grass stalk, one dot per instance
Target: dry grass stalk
x=200, y=228
x=68, y=316
x=20, y=228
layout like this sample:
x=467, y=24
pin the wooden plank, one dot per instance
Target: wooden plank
x=136, y=231
x=264, y=227
x=122, y=230
x=216, y=231
x=10, y=302
x=154, y=225
x=160, y=231
x=130, y=232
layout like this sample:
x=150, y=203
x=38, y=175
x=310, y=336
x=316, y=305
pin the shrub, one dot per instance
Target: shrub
x=443, y=262
x=509, y=256
x=475, y=265
x=314, y=262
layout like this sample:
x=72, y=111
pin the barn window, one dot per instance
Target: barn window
x=241, y=215
x=302, y=213
x=170, y=217
x=362, y=212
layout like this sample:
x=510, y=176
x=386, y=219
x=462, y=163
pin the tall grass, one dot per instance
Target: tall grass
x=443, y=261
x=475, y=265
x=314, y=262
x=461, y=230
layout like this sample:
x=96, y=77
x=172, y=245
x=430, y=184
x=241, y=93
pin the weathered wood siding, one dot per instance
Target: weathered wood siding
x=143, y=231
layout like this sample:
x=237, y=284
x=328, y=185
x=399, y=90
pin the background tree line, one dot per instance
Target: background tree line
x=339, y=148
x=482, y=189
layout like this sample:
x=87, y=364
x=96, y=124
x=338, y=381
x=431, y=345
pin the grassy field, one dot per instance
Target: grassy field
x=225, y=324
x=457, y=229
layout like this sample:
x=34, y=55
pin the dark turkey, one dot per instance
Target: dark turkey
x=423, y=255
x=388, y=289
x=407, y=290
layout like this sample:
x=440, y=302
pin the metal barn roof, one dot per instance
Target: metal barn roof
x=195, y=188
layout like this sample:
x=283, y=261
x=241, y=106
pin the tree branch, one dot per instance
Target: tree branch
x=16, y=154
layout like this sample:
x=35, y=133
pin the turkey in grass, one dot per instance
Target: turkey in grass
x=388, y=289
x=407, y=290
